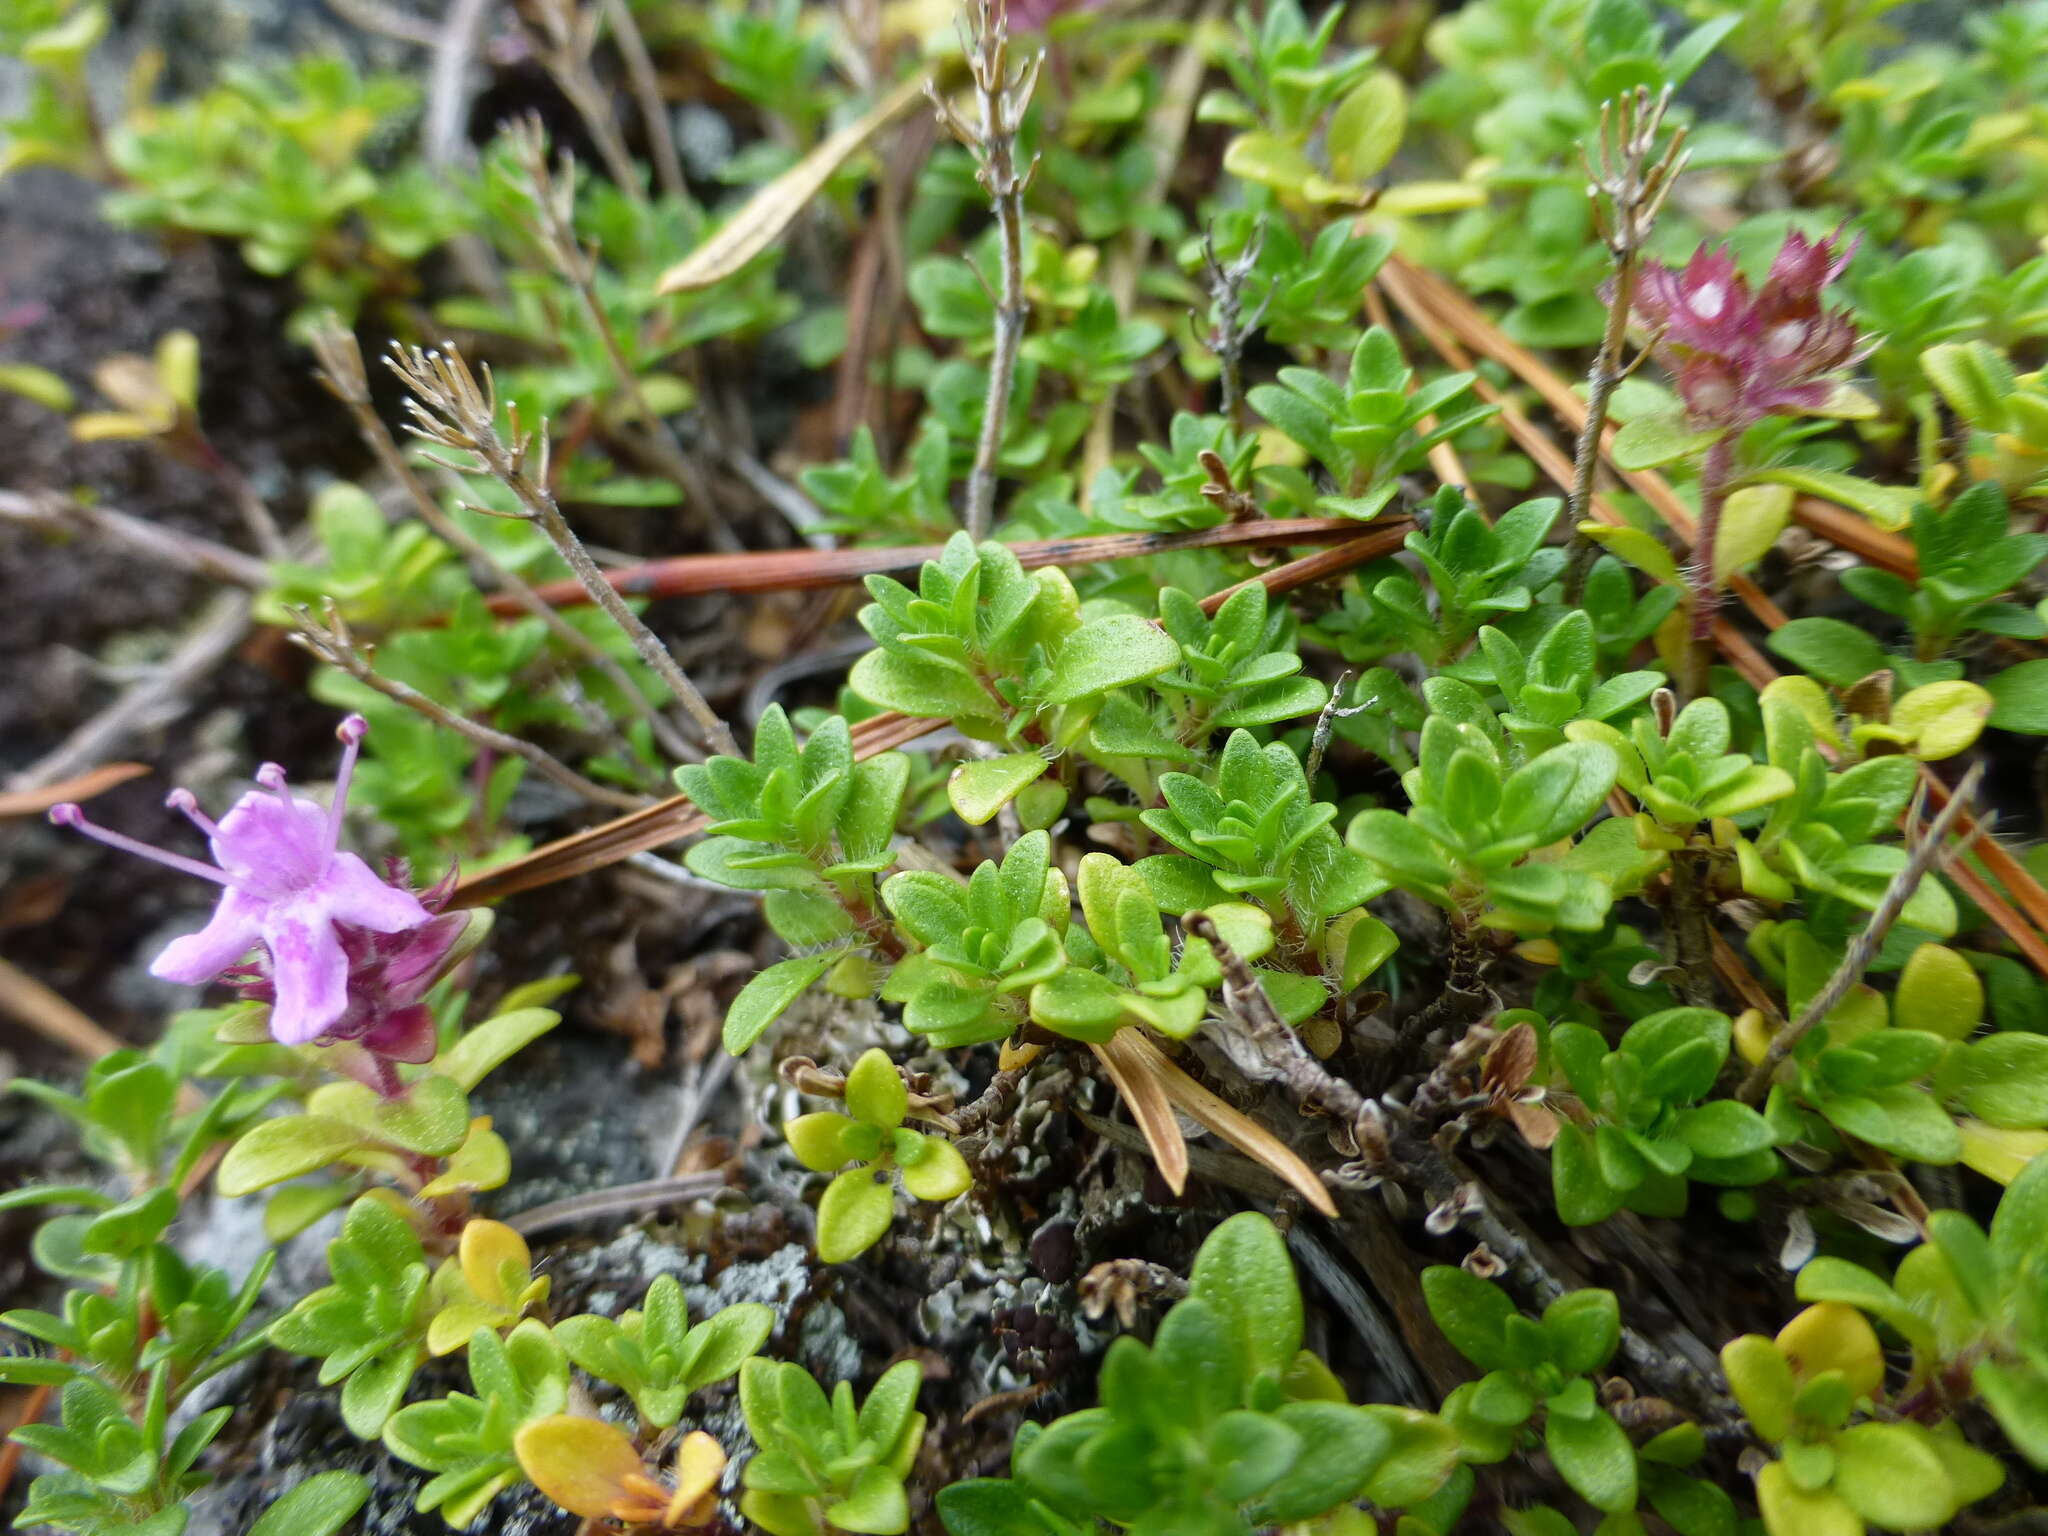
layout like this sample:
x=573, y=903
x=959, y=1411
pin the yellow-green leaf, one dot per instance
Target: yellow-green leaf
x=1751, y=520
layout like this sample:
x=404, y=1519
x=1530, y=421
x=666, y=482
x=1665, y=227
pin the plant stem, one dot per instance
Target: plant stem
x=1702, y=581
x=1002, y=97
x=450, y=409
x=1607, y=372
x=1931, y=851
x=1688, y=912
x=661, y=139
x=333, y=644
x=341, y=370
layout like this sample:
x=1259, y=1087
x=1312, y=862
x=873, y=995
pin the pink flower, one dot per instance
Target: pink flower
x=1741, y=356
x=286, y=886
x=389, y=977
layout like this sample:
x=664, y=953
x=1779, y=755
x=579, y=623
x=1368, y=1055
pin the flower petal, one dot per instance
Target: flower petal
x=310, y=969
x=230, y=934
x=350, y=892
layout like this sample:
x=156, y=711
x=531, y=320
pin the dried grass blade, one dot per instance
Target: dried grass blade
x=33, y=802
x=772, y=209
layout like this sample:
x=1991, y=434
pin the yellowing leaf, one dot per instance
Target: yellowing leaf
x=1751, y=520
x=1643, y=550
x=1834, y=1336
x=495, y=1261
x=581, y=1463
x=1997, y=1153
x=1412, y=199
x=1942, y=719
x=1939, y=992
x=1270, y=160
x=1789, y=1510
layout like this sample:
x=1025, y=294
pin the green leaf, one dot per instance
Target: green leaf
x=492, y=1043
x=1243, y=1271
x=1554, y=795
x=1891, y=1475
x=2002, y=1079
x=1472, y=1313
x=854, y=1213
x=979, y=789
x=876, y=1506
x=1367, y=126
x=1834, y=652
x=319, y=1506
x=2019, y=698
x=1888, y=506
x=1109, y=653
x=1648, y=441
x=1593, y=1454
x=1724, y=1128
x=276, y=1150
x=2018, y=1399
x=875, y=1092
x=1901, y=1119
x=1584, y=1328
x=766, y=997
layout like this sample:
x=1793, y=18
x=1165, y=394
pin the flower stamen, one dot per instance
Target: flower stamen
x=73, y=816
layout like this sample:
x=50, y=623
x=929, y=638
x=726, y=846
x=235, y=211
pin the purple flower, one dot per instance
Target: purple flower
x=1741, y=356
x=319, y=914
x=389, y=977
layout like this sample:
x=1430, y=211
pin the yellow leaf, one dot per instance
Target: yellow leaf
x=105, y=426
x=454, y=1326
x=483, y=1161
x=699, y=1466
x=1412, y=199
x=1752, y=1036
x=1810, y=701
x=177, y=369
x=1998, y=1153
x=583, y=1464
x=1271, y=160
x=1834, y=1336
x=1942, y=719
x=1939, y=991
x=772, y=209
x=490, y=1251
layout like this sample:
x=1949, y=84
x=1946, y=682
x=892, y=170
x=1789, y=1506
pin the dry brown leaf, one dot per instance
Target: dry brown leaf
x=33, y=802
x=1134, y=1065
x=1232, y=1124
x=772, y=209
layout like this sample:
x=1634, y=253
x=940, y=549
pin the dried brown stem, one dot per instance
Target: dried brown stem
x=154, y=542
x=646, y=85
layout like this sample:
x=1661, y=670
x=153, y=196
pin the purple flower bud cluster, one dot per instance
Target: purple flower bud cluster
x=338, y=953
x=1739, y=355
